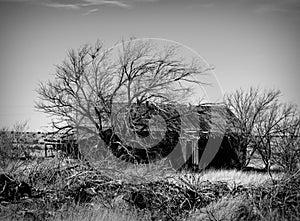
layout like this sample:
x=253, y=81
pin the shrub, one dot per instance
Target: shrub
x=279, y=200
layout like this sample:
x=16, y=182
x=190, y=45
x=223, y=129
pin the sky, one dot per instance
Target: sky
x=250, y=42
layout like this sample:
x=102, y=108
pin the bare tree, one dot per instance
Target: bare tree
x=93, y=79
x=286, y=146
x=272, y=128
x=21, y=139
x=249, y=108
x=264, y=127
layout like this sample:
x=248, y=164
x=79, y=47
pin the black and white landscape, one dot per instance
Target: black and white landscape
x=149, y=110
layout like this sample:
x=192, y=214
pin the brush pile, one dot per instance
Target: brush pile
x=164, y=200
x=282, y=197
x=55, y=185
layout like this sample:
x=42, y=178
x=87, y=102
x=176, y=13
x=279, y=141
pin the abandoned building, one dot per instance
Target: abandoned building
x=206, y=128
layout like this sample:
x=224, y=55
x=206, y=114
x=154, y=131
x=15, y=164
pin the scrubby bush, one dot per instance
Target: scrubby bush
x=272, y=201
x=279, y=200
x=9, y=153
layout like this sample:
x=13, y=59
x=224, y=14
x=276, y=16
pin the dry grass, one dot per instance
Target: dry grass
x=231, y=177
x=98, y=213
x=83, y=213
x=70, y=190
x=269, y=201
x=238, y=177
x=227, y=208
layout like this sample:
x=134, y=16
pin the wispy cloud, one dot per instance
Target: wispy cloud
x=88, y=3
x=64, y=6
x=259, y=6
x=106, y=2
x=78, y=4
x=91, y=11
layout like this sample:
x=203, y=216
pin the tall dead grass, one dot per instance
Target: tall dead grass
x=73, y=190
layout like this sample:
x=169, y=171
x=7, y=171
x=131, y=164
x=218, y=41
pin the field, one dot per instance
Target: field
x=64, y=189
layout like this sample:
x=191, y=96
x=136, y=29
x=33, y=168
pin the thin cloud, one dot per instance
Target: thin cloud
x=87, y=3
x=115, y=3
x=75, y=5
x=64, y=6
x=91, y=11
